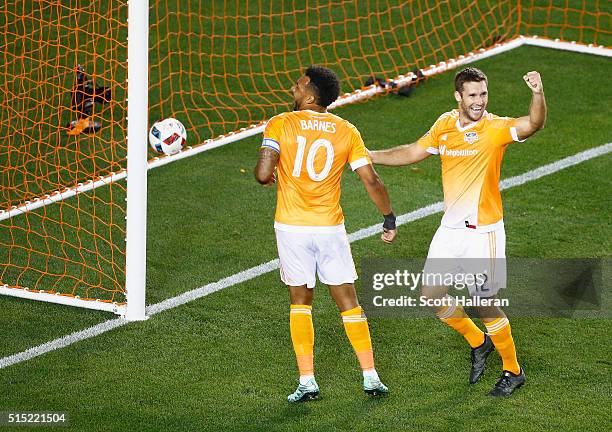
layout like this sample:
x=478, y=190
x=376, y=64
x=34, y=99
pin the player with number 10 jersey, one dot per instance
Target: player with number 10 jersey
x=315, y=149
x=310, y=148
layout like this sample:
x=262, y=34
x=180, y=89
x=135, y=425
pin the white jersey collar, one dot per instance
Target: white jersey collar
x=471, y=125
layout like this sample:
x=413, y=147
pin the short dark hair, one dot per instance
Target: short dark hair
x=469, y=75
x=325, y=84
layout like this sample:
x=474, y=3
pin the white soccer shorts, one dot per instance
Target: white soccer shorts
x=463, y=252
x=305, y=255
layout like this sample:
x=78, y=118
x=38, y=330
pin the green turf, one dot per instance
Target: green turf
x=225, y=362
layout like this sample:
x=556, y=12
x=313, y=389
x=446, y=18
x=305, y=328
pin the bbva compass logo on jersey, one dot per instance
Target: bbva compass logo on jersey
x=456, y=153
x=470, y=137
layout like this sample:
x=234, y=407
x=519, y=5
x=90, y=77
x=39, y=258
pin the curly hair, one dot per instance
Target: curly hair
x=325, y=84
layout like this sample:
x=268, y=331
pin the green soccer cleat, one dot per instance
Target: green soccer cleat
x=374, y=387
x=305, y=392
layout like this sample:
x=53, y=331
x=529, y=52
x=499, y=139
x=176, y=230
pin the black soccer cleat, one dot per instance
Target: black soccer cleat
x=479, y=358
x=508, y=383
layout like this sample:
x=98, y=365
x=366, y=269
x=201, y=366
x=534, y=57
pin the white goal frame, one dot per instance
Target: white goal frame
x=136, y=174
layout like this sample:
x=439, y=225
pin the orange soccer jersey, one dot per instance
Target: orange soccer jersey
x=471, y=161
x=314, y=149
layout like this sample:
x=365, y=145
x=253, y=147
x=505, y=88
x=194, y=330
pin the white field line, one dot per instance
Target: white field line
x=270, y=266
x=401, y=80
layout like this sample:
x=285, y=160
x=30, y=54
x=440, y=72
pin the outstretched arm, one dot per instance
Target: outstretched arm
x=264, y=170
x=379, y=196
x=528, y=125
x=401, y=155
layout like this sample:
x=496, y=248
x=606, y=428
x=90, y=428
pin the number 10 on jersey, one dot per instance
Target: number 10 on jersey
x=312, y=152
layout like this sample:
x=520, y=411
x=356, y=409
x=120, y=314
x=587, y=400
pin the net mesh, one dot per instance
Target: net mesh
x=232, y=64
x=74, y=247
x=216, y=65
x=584, y=21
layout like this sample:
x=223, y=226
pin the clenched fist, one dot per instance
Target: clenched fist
x=534, y=81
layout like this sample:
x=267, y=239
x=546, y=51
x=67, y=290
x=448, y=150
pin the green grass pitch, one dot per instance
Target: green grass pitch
x=225, y=362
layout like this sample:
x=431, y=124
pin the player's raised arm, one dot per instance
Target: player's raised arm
x=528, y=125
x=264, y=170
x=400, y=155
x=379, y=196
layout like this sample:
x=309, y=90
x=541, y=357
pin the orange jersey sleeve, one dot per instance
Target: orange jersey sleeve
x=358, y=154
x=272, y=135
x=429, y=141
x=503, y=130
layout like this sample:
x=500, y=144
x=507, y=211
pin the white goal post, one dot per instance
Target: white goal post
x=136, y=222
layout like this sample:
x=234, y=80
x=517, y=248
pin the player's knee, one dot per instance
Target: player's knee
x=300, y=295
x=344, y=295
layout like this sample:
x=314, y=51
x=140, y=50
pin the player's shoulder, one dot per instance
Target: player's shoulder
x=452, y=114
x=274, y=128
x=350, y=127
x=447, y=119
x=494, y=120
x=276, y=122
x=491, y=116
x=280, y=117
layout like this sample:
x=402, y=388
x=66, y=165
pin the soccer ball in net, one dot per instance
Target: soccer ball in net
x=167, y=136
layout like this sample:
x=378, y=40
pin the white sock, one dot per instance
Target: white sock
x=371, y=373
x=305, y=378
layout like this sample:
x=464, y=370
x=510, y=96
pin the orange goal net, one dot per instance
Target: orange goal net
x=75, y=246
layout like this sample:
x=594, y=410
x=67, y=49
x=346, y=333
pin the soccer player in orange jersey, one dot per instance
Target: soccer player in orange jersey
x=310, y=148
x=471, y=143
